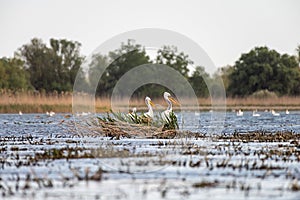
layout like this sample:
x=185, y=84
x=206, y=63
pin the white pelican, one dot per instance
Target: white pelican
x=132, y=115
x=287, y=112
x=80, y=114
x=239, y=113
x=169, y=99
x=149, y=104
x=133, y=110
x=84, y=113
x=255, y=114
x=51, y=113
x=274, y=113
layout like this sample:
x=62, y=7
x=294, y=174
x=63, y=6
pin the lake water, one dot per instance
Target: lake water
x=41, y=124
x=248, y=123
x=44, y=157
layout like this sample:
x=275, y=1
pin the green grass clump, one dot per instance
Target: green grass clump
x=170, y=123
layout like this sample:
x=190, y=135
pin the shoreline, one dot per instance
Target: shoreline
x=62, y=103
x=62, y=108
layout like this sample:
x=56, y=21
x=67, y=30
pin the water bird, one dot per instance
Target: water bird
x=133, y=111
x=274, y=113
x=197, y=113
x=239, y=113
x=51, y=113
x=20, y=113
x=255, y=114
x=82, y=114
x=287, y=112
x=85, y=113
x=149, y=104
x=169, y=99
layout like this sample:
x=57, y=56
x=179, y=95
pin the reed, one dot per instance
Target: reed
x=276, y=103
x=35, y=102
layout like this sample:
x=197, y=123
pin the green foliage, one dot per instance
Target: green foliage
x=261, y=94
x=118, y=116
x=97, y=67
x=52, y=68
x=55, y=68
x=298, y=53
x=170, y=56
x=264, y=69
x=131, y=55
x=198, y=83
x=171, y=122
x=121, y=60
x=108, y=118
x=152, y=90
x=133, y=118
x=224, y=73
x=13, y=75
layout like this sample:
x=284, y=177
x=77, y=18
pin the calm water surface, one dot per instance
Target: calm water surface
x=41, y=124
x=157, y=168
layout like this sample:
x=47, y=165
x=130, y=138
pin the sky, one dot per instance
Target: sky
x=224, y=29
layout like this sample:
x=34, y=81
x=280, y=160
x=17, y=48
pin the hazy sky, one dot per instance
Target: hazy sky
x=224, y=29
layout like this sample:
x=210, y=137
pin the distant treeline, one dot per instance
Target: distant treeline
x=38, y=67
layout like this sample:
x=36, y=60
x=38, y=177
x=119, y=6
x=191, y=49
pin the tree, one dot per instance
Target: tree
x=198, y=83
x=96, y=67
x=35, y=60
x=131, y=55
x=224, y=73
x=298, y=51
x=52, y=68
x=13, y=75
x=69, y=60
x=264, y=69
x=121, y=60
x=170, y=56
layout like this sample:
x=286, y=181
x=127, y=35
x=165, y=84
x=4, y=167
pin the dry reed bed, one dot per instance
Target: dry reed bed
x=118, y=129
x=39, y=103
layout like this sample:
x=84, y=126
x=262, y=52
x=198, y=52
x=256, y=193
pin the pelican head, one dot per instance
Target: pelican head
x=149, y=102
x=134, y=110
x=166, y=95
x=169, y=99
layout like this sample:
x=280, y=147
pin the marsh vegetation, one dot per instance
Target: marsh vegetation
x=49, y=157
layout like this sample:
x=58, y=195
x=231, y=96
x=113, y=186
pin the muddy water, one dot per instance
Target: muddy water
x=43, y=157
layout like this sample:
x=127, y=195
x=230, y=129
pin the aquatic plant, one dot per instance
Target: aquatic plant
x=170, y=123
